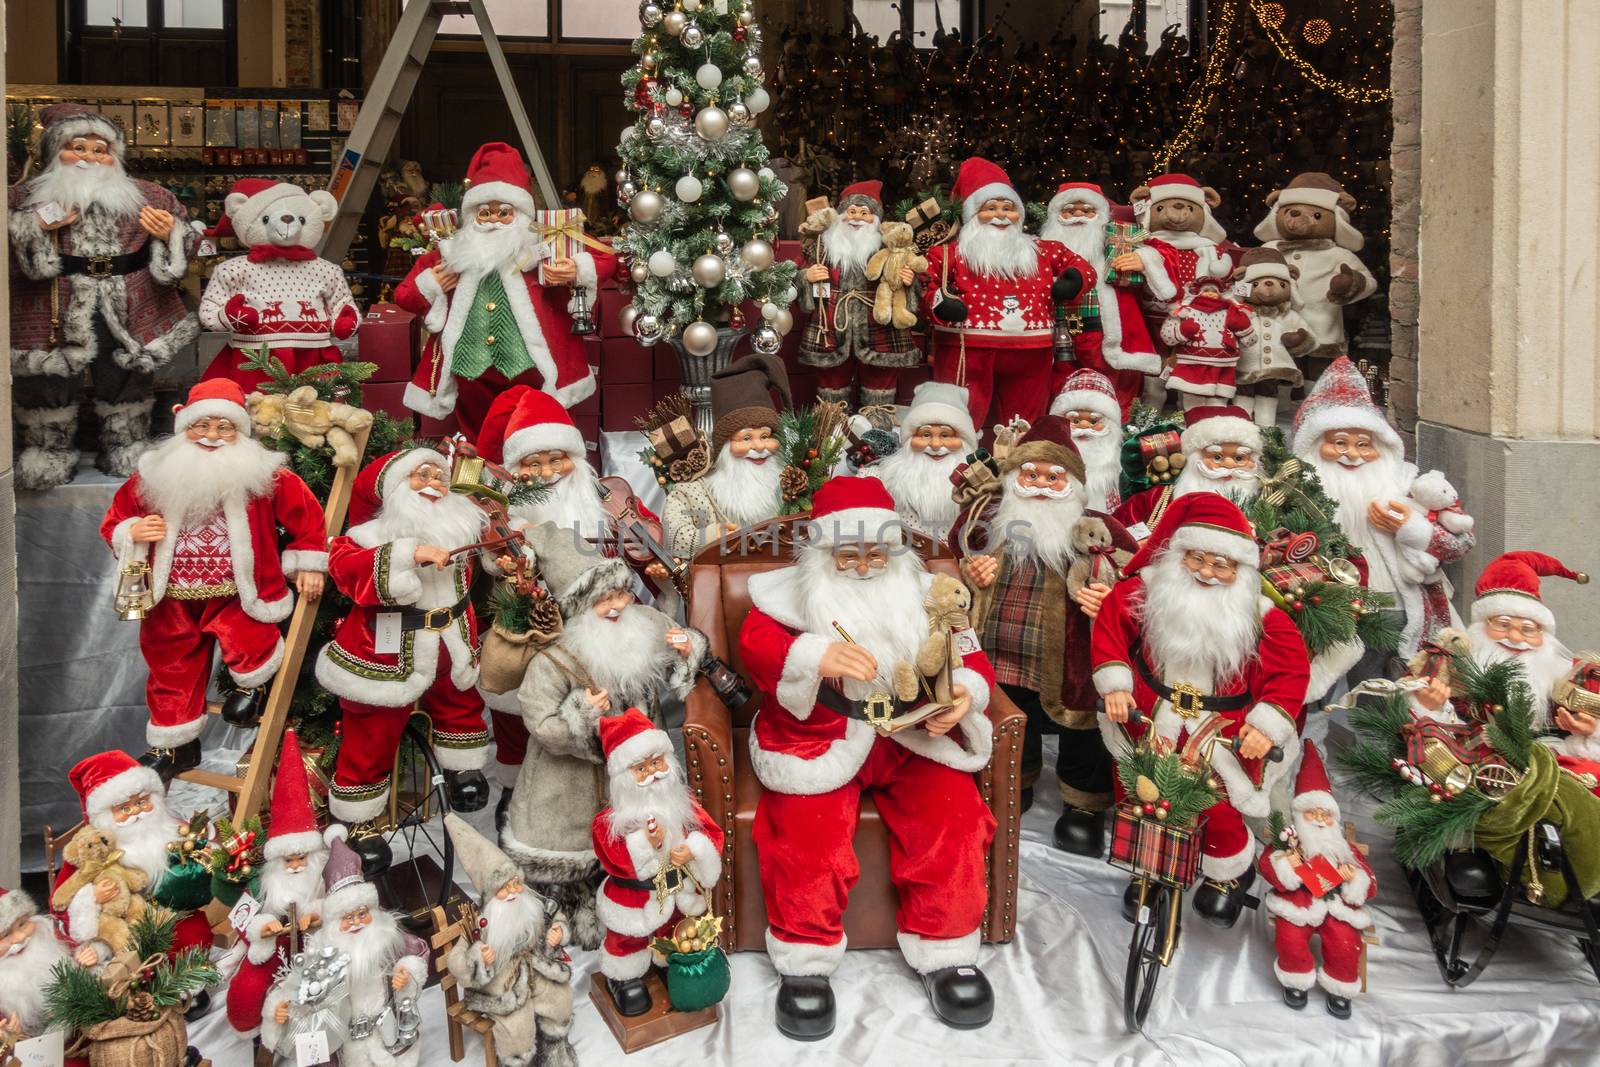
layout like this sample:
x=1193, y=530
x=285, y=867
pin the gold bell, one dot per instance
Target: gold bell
x=134, y=598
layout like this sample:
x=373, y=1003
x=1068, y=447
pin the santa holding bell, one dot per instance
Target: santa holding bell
x=1189, y=642
x=495, y=302
x=30, y=949
x=936, y=436
x=661, y=852
x=201, y=520
x=992, y=298
x=821, y=642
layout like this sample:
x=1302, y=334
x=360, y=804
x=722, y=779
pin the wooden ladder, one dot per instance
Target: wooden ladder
x=368, y=147
x=458, y=1017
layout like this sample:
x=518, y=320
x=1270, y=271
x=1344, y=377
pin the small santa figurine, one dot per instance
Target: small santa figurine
x=661, y=852
x=815, y=755
x=204, y=513
x=30, y=949
x=1577, y=702
x=410, y=639
x=846, y=345
x=992, y=298
x=1183, y=238
x=1090, y=405
x=495, y=303
x=514, y=967
x=742, y=488
x=1190, y=619
x=97, y=259
x=936, y=436
x=1111, y=337
x=1221, y=448
x=291, y=889
x=1204, y=332
x=1320, y=885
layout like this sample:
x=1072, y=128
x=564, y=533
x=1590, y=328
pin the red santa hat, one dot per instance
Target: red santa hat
x=939, y=404
x=1319, y=190
x=530, y=421
x=64, y=121
x=15, y=905
x=1219, y=425
x=383, y=476
x=854, y=510
x=979, y=180
x=1339, y=401
x=497, y=172
x=1088, y=390
x=214, y=398
x=257, y=193
x=1049, y=441
x=1311, y=786
x=1509, y=585
x=106, y=779
x=868, y=190
x=630, y=737
x=1076, y=193
x=343, y=888
x=1204, y=522
x=293, y=831
x=1180, y=187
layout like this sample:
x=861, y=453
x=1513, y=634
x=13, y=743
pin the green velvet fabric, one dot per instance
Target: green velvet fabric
x=697, y=980
x=1549, y=793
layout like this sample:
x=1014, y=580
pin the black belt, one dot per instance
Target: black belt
x=435, y=619
x=1186, y=700
x=105, y=266
x=1089, y=324
x=835, y=700
x=675, y=881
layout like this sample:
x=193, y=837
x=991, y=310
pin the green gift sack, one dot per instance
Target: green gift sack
x=228, y=891
x=185, y=887
x=697, y=980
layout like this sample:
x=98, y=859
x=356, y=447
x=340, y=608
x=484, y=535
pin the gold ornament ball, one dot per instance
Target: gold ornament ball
x=743, y=184
x=783, y=322
x=1178, y=461
x=1159, y=464
x=674, y=22
x=711, y=123
x=709, y=270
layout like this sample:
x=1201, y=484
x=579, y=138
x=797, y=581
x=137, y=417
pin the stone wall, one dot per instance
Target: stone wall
x=1405, y=79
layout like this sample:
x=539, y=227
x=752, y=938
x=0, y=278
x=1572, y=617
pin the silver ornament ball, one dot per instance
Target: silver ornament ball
x=674, y=22
x=626, y=318
x=743, y=184
x=711, y=123
x=692, y=36
x=627, y=190
x=738, y=114
x=766, y=341
x=746, y=17
x=646, y=206
x=655, y=129
x=757, y=253
x=649, y=15
x=752, y=65
x=709, y=270
x=647, y=329
x=723, y=241
x=699, y=338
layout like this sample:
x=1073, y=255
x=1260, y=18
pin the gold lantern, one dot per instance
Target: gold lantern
x=134, y=598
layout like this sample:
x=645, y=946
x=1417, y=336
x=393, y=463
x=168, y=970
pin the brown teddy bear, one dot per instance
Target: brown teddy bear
x=310, y=421
x=1095, y=557
x=94, y=855
x=946, y=606
x=891, y=305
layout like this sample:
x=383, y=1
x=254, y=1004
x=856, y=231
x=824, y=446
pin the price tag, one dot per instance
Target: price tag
x=1139, y=531
x=311, y=1049
x=208, y=247
x=243, y=912
x=47, y=1050
x=966, y=641
x=386, y=632
x=50, y=212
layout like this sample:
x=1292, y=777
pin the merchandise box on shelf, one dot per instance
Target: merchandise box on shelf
x=389, y=337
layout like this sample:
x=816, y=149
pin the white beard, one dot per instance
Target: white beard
x=1352, y=489
x=24, y=976
x=746, y=492
x=920, y=485
x=847, y=247
x=573, y=503
x=144, y=841
x=449, y=522
x=883, y=613
x=1039, y=528
x=1542, y=667
x=1102, y=463
x=627, y=655
x=373, y=950
x=188, y=483
x=1201, y=634
x=666, y=800
x=100, y=186
x=513, y=925
x=477, y=249
x=1086, y=237
x=282, y=887
x=1238, y=486
x=1329, y=841
x=1002, y=252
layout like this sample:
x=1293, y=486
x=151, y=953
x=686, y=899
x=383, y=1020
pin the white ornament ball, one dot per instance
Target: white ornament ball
x=738, y=114
x=629, y=133
x=711, y=123
x=662, y=263
x=770, y=311
x=766, y=340
x=789, y=296
x=628, y=316
x=743, y=184
x=689, y=188
x=784, y=322
x=674, y=22
x=639, y=272
x=650, y=15
x=646, y=207
x=673, y=96
x=692, y=36
x=691, y=6
x=767, y=173
x=709, y=270
x=699, y=338
x=709, y=76
x=758, y=100
x=746, y=17
x=758, y=253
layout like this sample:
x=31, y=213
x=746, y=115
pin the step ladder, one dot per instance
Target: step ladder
x=364, y=153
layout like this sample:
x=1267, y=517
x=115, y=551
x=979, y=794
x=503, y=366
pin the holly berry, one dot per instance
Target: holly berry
x=1149, y=808
x=1316, y=599
x=1166, y=805
x=1298, y=605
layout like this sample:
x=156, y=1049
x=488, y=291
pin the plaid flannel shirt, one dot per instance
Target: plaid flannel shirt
x=1013, y=634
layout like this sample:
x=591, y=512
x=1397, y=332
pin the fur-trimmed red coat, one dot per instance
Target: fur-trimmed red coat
x=635, y=912
x=1292, y=902
x=1011, y=313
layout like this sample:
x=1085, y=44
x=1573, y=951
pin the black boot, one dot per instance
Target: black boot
x=1219, y=903
x=365, y=841
x=1338, y=1007
x=1295, y=998
x=192, y=1057
x=468, y=790
x=1473, y=877
x=502, y=809
x=630, y=996
x=1027, y=799
x=198, y=1006
x=242, y=707
x=805, y=1010
x=960, y=996
x=1080, y=832
x=171, y=762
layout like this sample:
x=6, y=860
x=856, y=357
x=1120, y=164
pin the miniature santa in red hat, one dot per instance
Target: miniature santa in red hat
x=1188, y=640
x=1321, y=884
x=1183, y=237
x=815, y=755
x=495, y=302
x=1221, y=449
x=992, y=297
x=1511, y=622
x=204, y=513
x=653, y=824
x=30, y=950
x=1090, y=405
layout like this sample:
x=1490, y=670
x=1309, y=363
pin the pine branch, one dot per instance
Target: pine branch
x=181, y=978
x=1425, y=828
x=153, y=932
x=76, y=998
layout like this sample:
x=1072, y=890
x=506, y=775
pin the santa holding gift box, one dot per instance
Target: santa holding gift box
x=1184, y=238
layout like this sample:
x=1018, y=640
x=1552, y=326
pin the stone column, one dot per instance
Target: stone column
x=10, y=801
x=1509, y=299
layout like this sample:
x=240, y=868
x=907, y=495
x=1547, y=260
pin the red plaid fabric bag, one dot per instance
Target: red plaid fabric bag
x=1153, y=849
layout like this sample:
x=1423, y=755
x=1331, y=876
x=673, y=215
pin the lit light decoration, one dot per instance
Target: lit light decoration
x=1271, y=15
x=1204, y=93
x=1316, y=31
x=1356, y=94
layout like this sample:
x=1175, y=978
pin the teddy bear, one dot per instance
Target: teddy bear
x=1265, y=282
x=1430, y=499
x=891, y=305
x=94, y=855
x=280, y=299
x=310, y=421
x=1095, y=556
x=946, y=605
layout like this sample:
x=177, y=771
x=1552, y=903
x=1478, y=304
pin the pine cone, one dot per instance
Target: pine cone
x=142, y=1008
x=545, y=619
x=691, y=465
x=793, y=482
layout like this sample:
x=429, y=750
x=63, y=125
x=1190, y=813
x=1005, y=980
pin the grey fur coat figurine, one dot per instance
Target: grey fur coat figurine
x=613, y=654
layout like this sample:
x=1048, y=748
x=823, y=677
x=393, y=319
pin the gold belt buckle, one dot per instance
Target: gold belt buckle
x=98, y=267
x=437, y=627
x=878, y=708
x=1186, y=700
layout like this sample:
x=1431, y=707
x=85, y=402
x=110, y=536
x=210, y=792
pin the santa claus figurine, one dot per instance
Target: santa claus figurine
x=742, y=487
x=1183, y=238
x=1359, y=458
x=1221, y=448
x=495, y=302
x=992, y=298
x=846, y=345
x=815, y=755
x=661, y=852
x=291, y=889
x=1110, y=337
x=513, y=968
x=203, y=514
x=936, y=435
x=1185, y=640
x=97, y=259
x=1205, y=332
x=410, y=640
x=1320, y=886
x=1090, y=406
x=1018, y=552
x=30, y=949
x=1577, y=702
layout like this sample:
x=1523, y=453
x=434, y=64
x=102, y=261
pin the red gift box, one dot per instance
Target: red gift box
x=589, y=428
x=588, y=407
x=623, y=362
x=1319, y=875
x=666, y=361
x=385, y=396
x=622, y=404
x=612, y=301
x=1155, y=850
x=438, y=429
x=388, y=337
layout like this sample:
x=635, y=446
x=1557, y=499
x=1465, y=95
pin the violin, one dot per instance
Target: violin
x=641, y=537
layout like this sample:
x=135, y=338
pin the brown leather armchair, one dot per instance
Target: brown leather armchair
x=717, y=743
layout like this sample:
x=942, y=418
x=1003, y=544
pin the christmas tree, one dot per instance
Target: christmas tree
x=702, y=203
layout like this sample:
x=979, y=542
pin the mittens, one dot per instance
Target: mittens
x=239, y=312
x=1068, y=284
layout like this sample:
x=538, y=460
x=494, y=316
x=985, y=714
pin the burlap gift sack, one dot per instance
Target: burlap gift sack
x=129, y=1043
x=503, y=658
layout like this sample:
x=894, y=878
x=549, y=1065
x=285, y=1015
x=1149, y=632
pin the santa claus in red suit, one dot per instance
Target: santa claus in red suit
x=1222, y=452
x=815, y=755
x=495, y=303
x=992, y=297
x=410, y=640
x=936, y=436
x=1183, y=238
x=1190, y=616
x=1311, y=899
x=1112, y=337
x=653, y=824
x=1577, y=703
x=129, y=800
x=204, y=511
x=291, y=881
x=30, y=949
x=1090, y=406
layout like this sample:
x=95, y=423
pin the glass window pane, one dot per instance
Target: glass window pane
x=1159, y=14
x=616, y=20
x=511, y=18
x=193, y=14
x=881, y=18
x=129, y=12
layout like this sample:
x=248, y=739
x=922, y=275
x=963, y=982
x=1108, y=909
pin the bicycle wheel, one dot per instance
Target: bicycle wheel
x=423, y=872
x=1145, y=949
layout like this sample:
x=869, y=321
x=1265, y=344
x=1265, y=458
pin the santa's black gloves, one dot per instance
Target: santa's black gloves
x=949, y=309
x=1068, y=284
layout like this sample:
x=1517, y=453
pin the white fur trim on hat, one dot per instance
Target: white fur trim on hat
x=212, y=408
x=1178, y=191
x=642, y=745
x=874, y=526
x=1315, y=798
x=1237, y=547
x=542, y=438
x=401, y=466
x=251, y=206
x=1319, y=422
x=992, y=191
x=15, y=905
x=349, y=897
x=1510, y=602
x=120, y=787
x=937, y=414
x=1268, y=270
x=60, y=133
x=304, y=843
x=1074, y=196
x=1221, y=430
x=504, y=192
x=1087, y=400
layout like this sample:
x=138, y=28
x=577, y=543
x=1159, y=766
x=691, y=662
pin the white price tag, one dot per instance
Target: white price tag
x=966, y=641
x=311, y=1049
x=208, y=247
x=386, y=633
x=47, y=1050
x=389, y=1026
x=1139, y=531
x=50, y=212
x=243, y=912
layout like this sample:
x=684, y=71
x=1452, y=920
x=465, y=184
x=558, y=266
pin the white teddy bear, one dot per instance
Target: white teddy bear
x=1432, y=499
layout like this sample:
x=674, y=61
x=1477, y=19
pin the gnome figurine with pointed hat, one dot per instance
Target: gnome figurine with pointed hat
x=513, y=968
x=202, y=515
x=494, y=301
x=1320, y=885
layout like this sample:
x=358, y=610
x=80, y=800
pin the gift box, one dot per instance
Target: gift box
x=612, y=303
x=385, y=396
x=624, y=403
x=1155, y=850
x=666, y=361
x=388, y=337
x=1121, y=238
x=623, y=362
x=1290, y=579
x=438, y=429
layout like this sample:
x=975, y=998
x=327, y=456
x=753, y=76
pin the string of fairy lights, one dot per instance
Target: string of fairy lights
x=1316, y=31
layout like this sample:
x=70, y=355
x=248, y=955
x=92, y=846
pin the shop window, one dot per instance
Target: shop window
x=511, y=18
x=128, y=14
x=605, y=20
x=193, y=14
x=880, y=19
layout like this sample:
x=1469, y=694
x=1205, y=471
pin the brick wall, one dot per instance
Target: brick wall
x=1405, y=78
